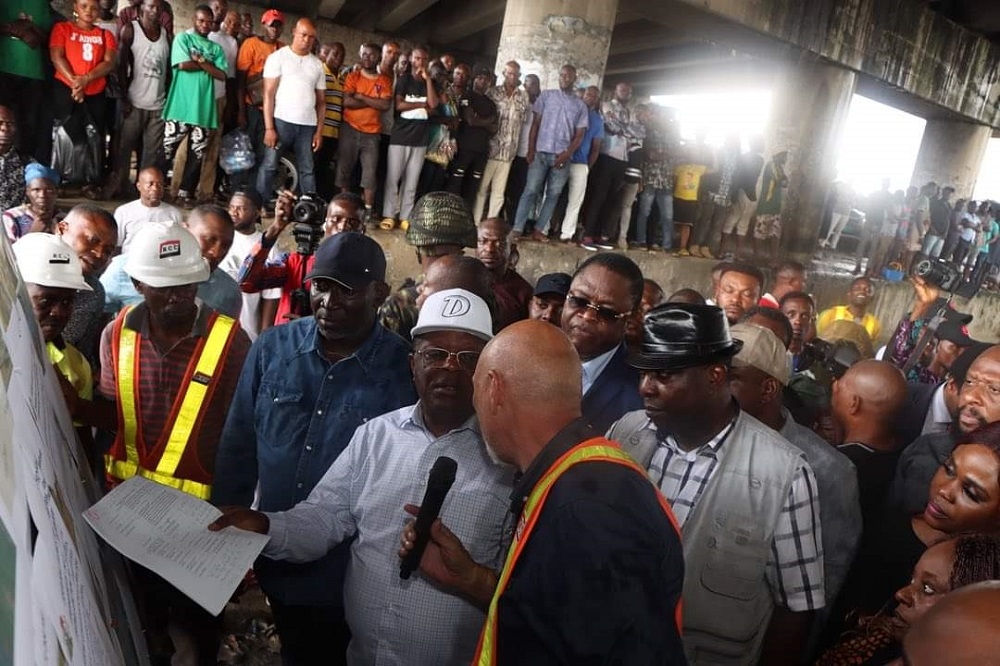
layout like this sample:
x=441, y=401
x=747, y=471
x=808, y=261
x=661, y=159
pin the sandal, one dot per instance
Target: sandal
x=387, y=224
x=682, y=253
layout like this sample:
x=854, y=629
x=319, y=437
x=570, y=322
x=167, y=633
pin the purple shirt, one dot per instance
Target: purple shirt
x=562, y=114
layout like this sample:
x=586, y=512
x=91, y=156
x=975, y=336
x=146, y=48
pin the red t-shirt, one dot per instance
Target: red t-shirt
x=84, y=50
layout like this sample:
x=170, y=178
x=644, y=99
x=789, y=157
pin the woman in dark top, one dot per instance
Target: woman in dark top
x=964, y=497
x=945, y=566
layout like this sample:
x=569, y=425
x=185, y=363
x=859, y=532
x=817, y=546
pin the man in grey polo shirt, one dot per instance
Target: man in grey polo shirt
x=560, y=122
x=761, y=370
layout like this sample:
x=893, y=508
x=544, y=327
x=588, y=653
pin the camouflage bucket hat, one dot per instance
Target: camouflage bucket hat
x=441, y=218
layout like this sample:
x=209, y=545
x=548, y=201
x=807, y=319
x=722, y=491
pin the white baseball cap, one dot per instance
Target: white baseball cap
x=455, y=310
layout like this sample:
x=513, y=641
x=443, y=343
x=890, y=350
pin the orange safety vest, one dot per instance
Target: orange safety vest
x=596, y=449
x=126, y=457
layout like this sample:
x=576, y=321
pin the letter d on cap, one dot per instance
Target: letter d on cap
x=455, y=306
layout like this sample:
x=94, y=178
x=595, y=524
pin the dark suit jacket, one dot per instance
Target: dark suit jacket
x=917, y=465
x=910, y=421
x=615, y=392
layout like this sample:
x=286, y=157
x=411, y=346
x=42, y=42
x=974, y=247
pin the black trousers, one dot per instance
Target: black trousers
x=516, y=181
x=311, y=635
x=464, y=174
x=603, y=185
x=34, y=119
x=162, y=606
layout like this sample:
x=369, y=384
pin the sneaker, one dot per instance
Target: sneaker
x=588, y=244
x=654, y=248
x=605, y=244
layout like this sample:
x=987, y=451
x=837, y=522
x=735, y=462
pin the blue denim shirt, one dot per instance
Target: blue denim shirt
x=293, y=413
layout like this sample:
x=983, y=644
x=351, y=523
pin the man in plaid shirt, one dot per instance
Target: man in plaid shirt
x=745, y=498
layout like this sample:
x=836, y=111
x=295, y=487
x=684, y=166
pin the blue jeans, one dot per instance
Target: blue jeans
x=665, y=204
x=541, y=174
x=299, y=138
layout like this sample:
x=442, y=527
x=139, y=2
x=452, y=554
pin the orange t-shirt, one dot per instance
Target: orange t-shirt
x=84, y=50
x=250, y=59
x=366, y=120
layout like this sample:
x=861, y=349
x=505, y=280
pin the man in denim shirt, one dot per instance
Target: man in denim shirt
x=305, y=387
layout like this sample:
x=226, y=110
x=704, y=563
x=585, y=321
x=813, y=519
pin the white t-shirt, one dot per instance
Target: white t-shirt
x=301, y=76
x=130, y=215
x=231, y=49
x=231, y=263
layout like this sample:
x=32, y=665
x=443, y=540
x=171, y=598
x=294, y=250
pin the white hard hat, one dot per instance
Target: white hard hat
x=455, y=310
x=44, y=259
x=165, y=255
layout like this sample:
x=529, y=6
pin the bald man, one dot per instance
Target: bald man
x=865, y=403
x=149, y=207
x=596, y=569
x=457, y=271
x=293, y=77
x=962, y=629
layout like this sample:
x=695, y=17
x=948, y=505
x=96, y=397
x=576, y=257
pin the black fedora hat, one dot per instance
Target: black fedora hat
x=678, y=335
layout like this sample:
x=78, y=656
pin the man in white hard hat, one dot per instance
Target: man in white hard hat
x=53, y=274
x=384, y=468
x=169, y=367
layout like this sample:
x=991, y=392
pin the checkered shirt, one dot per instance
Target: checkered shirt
x=795, y=564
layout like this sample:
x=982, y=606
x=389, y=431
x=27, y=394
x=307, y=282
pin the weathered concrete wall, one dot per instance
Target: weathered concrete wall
x=544, y=35
x=951, y=153
x=809, y=107
x=892, y=299
x=901, y=42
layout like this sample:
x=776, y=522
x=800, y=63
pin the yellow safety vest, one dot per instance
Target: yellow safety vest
x=200, y=377
x=597, y=449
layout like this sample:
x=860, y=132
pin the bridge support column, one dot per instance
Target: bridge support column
x=951, y=153
x=544, y=35
x=810, y=100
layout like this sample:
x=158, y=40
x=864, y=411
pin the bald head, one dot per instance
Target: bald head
x=962, y=629
x=527, y=387
x=457, y=271
x=870, y=393
x=303, y=37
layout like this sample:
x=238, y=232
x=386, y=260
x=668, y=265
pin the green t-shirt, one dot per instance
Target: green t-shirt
x=16, y=57
x=192, y=94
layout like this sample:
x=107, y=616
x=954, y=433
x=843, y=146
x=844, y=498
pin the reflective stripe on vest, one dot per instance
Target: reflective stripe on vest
x=186, y=412
x=597, y=449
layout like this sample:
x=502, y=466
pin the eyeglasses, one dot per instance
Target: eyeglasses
x=438, y=358
x=603, y=312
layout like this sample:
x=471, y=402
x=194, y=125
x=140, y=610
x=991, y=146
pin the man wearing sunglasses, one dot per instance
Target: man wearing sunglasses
x=361, y=499
x=604, y=294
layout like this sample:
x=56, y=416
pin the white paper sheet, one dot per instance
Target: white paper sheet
x=166, y=531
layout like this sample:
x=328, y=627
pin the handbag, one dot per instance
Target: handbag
x=77, y=150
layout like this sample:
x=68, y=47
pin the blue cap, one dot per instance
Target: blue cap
x=36, y=170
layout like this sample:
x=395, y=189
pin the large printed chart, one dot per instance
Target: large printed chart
x=56, y=606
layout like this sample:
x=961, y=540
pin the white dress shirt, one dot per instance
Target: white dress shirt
x=393, y=621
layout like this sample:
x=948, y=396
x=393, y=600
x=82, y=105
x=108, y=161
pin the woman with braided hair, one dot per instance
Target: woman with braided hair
x=947, y=565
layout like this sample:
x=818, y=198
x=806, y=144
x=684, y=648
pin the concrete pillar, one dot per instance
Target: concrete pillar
x=544, y=35
x=951, y=153
x=810, y=100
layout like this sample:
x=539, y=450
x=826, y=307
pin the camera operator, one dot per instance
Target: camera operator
x=261, y=270
x=936, y=357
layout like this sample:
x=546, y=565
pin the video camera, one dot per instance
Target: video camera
x=309, y=214
x=834, y=357
x=939, y=273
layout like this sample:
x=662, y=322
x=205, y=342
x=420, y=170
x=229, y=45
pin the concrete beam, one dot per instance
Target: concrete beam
x=400, y=12
x=329, y=9
x=633, y=42
x=470, y=19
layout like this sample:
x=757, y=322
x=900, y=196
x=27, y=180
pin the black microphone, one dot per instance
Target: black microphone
x=438, y=484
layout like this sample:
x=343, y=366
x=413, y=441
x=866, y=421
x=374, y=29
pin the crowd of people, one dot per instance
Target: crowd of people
x=394, y=123
x=927, y=222
x=813, y=495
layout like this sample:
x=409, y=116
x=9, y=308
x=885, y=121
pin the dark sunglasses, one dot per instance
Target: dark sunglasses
x=603, y=312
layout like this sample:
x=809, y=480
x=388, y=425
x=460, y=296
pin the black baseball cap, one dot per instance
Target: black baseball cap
x=352, y=259
x=553, y=283
x=953, y=328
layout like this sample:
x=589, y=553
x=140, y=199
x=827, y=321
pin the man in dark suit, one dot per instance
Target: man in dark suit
x=931, y=408
x=605, y=293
